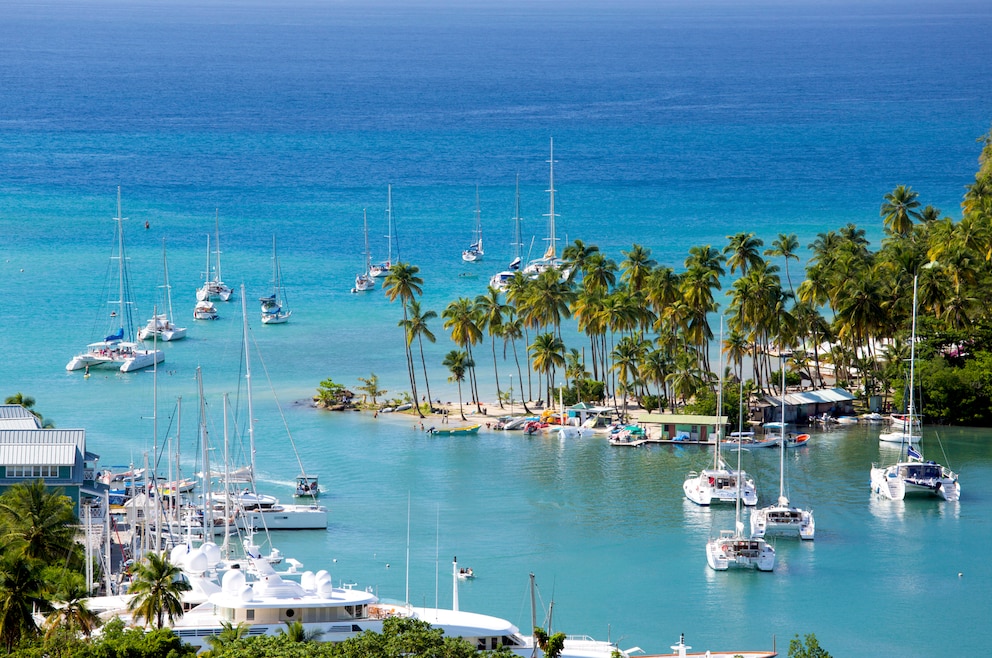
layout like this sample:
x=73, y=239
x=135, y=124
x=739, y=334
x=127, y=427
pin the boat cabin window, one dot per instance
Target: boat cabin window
x=250, y=614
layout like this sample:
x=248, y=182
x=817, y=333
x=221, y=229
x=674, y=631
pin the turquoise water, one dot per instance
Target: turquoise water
x=674, y=125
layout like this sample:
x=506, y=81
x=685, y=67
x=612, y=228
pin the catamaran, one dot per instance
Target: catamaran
x=382, y=269
x=274, y=309
x=162, y=325
x=214, y=287
x=117, y=348
x=913, y=475
x=364, y=281
x=782, y=517
x=733, y=548
x=475, y=252
x=720, y=483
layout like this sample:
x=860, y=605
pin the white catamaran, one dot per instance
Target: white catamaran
x=382, y=269
x=118, y=348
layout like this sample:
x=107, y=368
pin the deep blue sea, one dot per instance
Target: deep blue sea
x=674, y=124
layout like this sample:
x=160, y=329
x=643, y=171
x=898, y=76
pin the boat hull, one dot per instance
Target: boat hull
x=738, y=552
x=783, y=520
x=285, y=517
x=719, y=486
x=914, y=479
x=276, y=318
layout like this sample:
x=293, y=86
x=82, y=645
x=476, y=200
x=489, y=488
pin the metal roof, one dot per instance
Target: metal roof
x=822, y=396
x=15, y=416
x=41, y=454
x=680, y=419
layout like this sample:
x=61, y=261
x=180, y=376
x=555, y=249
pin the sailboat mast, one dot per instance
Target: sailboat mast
x=208, y=512
x=368, y=254
x=251, y=416
x=781, y=466
x=389, y=224
x=552, y=238
x=719, y=404
x=120, y=263
x=217, y=242
x=275, y=272
x=517, y=244
x=168, y=288
x=478, y=219
x=206, y=272
x=912, y=360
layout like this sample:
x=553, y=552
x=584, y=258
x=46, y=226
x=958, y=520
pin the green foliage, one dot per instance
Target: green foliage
x=590, y=390
x=370, y=386
x=808, y=649
x=157, y=589
x=329, y=393
x=957, y=395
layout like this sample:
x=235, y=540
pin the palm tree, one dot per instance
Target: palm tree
x=575, y=256
x=626, y=357
x=27, y=402
x=599, y=273
x=459, y=316
x=511, y=330
x=72, y=613
x=403, y=283
x=229, y=634
x=21, y=593
x=37, y=524
x=458, y=362
x=742, y=252
x=296, y=632
x=490, y=312
x=785, y=246
x=547, y=353
x=636, y=266
x=157, y=588
x=416, y=327
x=899, y=210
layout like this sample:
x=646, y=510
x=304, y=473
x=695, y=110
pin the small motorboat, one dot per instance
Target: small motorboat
x=465, y=573
x=796, y=441
x=468, y=429
x=205, y=310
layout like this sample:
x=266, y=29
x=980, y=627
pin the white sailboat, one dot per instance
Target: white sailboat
x=117, y=348
x=733, y=548
x=364, y=281
x=782, y=517
x=720, y=484
x=501, y=280
x=475, y=252
x=214, y=287
x=161, y=324
x=274, y=309
x=550, y=260
x=913, y=475
x=382, y=269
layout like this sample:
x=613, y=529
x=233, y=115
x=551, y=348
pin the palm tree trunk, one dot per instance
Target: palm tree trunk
x=521, y=376
x=423, y=363
x=461, y=412
x=496, y=373
x=475, y=382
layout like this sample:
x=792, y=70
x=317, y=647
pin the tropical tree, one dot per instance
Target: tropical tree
x=296, y=632
x=27, y=402
x=547, y=354
x=599, y=273
x=460, y=318
x=21, y=593
x=157, y=590
x=370, y=386
x=229, y=634
x=551, y=645
x=416, y=327
x=743, y=252
x=575, y=256
x=458, y=362
x=636, y=266
x=511, y=330
x=810, y=648
x=72, y=613
x=626, y=356
x=899, y=209
x=785, y=246
x=36, y=523
x=403, y=283
x=490, y=311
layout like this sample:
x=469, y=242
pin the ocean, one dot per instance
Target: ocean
x=674, y=124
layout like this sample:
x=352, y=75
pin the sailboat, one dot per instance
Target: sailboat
x=782, y=517
x=501, y=280
x=214, y=288
x=913, y=475
x=161, y=324
x=733, y=548
x=475, y=252
x=550, y=260
x=364, y=280
x=382, y=269
x=274, y=306
x=720, y=483
x=117, y=348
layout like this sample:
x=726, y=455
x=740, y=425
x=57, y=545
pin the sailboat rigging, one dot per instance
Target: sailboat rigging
x=274, y=309
x=475, y=252
x=364, y=280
